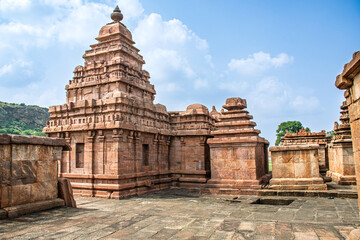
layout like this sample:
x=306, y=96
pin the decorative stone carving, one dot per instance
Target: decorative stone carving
x=133, y=142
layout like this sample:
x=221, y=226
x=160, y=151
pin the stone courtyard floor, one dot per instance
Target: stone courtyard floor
x=174, y=214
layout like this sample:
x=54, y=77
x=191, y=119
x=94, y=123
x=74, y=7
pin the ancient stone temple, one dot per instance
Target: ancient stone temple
x=298, y=160
x=123, y=144
x=304, y=137
x=237, y=151
x=349, y=80
x=341, y=161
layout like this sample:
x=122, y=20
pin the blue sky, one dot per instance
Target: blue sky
x=282, y=56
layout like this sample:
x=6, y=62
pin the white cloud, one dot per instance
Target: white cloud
x=82, y=24
x=200, y=83
x=14, y=5
x=270, y=97
x=62, y=3
x=208, y=59
x=172, y=51
x=164, y=62
x=15, y=66
x=234, y=86
x=258, y=62
x=130, y=8
x=155, y=32
x=305, y=104
x=6, y=69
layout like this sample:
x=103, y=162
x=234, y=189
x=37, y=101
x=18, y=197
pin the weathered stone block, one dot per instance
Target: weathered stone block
x=23, y=172
x=20, y=194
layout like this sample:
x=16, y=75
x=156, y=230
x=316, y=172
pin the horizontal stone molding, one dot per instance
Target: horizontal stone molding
x=16, y=211
x=33, y=140
x=294, y=148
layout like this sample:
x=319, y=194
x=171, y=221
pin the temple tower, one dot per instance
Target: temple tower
x=341, y=160
x=119, y=138
x=238, y=155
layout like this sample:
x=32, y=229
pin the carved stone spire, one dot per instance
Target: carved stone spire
x=117, y=15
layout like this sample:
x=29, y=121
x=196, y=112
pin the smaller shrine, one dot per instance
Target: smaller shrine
x=238, y=155
x=341, y=161
x=304, y=137
x=298, y=161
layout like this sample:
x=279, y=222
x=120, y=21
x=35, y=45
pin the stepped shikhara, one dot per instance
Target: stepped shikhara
x=341, y=160
x=237, y=152
x=124, y=144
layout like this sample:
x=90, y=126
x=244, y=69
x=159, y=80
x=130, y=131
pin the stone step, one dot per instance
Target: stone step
x=308, y=193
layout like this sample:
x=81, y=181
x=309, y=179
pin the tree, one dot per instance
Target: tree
x=291, y=126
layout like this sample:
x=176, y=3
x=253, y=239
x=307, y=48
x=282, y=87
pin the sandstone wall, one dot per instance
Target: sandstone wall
x=296, y=168
x=28, y=167
x=349, y=79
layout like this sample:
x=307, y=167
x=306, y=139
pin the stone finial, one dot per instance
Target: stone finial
x=235, y=103
x=117, y=15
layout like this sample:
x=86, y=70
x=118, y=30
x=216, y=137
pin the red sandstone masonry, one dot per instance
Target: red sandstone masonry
x=28, y=180
x=123, y=144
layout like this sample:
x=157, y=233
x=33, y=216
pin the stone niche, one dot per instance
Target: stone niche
x=29, y=167
x=238, y=155
x=341, y=161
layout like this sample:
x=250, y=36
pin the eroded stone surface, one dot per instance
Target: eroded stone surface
x=28, y=169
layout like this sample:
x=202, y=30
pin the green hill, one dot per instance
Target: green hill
x=21, y=119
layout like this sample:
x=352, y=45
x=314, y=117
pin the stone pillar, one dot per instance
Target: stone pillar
x=349, y=79
x=116, y=152
x=156, y=149
x=137, y=157
x=183, y=153
x=89, y=153
x=101, y=161
x=66, y=156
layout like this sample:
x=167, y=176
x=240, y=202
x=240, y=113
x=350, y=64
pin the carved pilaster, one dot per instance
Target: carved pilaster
x=116, y=144
x=89, y=153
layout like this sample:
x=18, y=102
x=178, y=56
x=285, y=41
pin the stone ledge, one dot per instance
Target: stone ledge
x=16, y=211
x=307, y=193
x=34, y=140
x=294, y=148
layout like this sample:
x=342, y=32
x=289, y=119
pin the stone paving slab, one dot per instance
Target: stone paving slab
x=174, y=214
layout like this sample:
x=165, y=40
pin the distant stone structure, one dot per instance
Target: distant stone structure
x=123, y=144
x=341, y=161
x=237, y=152
x=297, y=162
x=304, y=137
x=28, y=179
x=349, y=80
